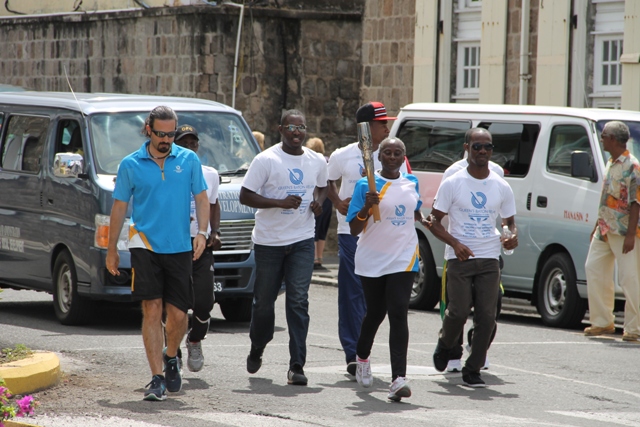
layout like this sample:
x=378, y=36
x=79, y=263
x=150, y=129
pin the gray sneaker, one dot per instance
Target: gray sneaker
x=195, y=359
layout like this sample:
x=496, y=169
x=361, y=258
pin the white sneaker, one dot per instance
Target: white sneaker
x=363, y=373
x=454, y=365
x=195, y=358
x=486, y=363
x=399, y=389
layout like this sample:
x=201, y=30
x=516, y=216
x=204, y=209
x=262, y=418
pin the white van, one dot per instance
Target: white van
x=59, y=155
x=554, y=162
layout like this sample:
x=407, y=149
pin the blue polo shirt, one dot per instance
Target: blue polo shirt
x=161, y=198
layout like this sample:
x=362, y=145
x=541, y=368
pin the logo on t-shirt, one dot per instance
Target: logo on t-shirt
x=478, y=200
x=399, y=219
x=296, y=176
x=361, y=169
x=178, y=169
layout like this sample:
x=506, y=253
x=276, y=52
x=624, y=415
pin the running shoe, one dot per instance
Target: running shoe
x=195, y=358
x=399, y=389
x=363, y=372
x=156, y=389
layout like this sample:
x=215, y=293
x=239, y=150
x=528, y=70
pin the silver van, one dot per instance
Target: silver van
x=554, y=162
x=59, y=158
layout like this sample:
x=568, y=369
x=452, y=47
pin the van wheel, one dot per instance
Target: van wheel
x=236, y=309
x=559, y=303
x=426, y=290
x=70, y=307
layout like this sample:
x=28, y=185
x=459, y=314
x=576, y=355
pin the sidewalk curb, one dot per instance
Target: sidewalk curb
x=36, y=372
x=18, y=424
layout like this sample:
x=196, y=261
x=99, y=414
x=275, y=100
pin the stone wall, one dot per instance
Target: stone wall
x=309, y=60
x=387, y=52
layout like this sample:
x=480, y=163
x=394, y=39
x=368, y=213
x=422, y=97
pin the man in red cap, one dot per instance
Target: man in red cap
x=346, y=163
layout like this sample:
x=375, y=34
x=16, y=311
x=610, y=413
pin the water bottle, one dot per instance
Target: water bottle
x=506, y=233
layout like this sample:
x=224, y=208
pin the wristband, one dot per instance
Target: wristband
x=361, y=219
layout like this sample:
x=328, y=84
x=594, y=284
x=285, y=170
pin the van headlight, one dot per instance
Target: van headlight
x=101, y=238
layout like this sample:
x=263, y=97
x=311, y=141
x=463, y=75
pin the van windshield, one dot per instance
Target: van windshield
x=633, y=145
x=225, y=141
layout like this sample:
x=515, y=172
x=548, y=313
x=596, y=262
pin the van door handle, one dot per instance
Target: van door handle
x=541, y=202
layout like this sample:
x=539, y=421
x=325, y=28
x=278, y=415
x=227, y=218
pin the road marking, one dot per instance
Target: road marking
x=631, y=419
x=571, y=380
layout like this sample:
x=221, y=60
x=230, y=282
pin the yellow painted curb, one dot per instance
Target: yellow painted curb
x=18, y=424
x=36, y=372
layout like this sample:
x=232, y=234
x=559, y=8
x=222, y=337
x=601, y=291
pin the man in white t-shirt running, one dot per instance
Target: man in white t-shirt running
x=202, y=275
x=346, y=163
x=473, y=198
x=287, y=184
x=455, y=364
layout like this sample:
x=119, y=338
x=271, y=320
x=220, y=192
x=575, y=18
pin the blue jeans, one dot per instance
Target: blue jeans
x=351, y=302
x=294, y=264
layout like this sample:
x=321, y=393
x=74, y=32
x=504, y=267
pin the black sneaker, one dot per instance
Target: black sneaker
x=157, y=389
x=296, y=376
x=441, y=357
x=254, y=360
x=472, y=379
x=351, y=367
x=164, y=356
x=172, y=374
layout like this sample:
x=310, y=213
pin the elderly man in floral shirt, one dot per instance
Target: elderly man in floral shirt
x=615, y=238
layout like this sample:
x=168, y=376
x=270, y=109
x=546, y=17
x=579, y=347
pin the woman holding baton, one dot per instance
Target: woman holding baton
x=386, y=260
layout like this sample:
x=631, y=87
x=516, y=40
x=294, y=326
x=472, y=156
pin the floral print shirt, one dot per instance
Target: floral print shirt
x=620, y=189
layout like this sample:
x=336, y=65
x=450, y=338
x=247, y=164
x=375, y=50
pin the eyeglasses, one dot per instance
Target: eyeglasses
x=478, y=147
x=293, y=128
x=161, y=134
x=604, y=135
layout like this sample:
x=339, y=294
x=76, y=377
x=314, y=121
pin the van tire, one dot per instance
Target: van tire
x=236, y=309
x=69, y=306
x=559, y=303
x=426, y=290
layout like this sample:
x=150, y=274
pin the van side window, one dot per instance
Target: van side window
x=565, y=139
x=69, y=137
x=514, y=144
x=23, y=143
x=433, y=145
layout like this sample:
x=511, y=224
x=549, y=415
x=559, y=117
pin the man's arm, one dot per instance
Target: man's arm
x=342, y=206
x=214, y=222
x=202, y=215
x=255, y=200
x=630, y=237
x=319, y=196
x=116, y=220
x=437, y=229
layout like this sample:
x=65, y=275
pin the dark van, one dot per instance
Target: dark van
x=59, y=158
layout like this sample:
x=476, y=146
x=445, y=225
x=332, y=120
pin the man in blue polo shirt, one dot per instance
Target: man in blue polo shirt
x=159, y=179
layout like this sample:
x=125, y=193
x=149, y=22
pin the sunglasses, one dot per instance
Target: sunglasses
x=293, y=128
x=478, y=147
x=161, y=134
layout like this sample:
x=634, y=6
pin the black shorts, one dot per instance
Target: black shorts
x=164, y=276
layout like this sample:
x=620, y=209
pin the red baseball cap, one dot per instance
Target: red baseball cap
x=372, y=111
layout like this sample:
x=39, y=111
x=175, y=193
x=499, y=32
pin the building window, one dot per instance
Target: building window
x=610, y=63
x=468, y=78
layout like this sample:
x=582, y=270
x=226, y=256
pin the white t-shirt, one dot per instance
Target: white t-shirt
x=346, y=163
x=213, y=183
x=391, y=245
x=464, y=163
x=275, y=174
x=473, y=206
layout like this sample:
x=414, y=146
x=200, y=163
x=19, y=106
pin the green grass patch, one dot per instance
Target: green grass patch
x=20, y=351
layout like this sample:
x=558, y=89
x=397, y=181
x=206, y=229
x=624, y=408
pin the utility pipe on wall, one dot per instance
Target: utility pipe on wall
x=235, y=61
x=524, y=53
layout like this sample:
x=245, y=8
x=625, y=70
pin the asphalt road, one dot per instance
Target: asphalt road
x=538, y=376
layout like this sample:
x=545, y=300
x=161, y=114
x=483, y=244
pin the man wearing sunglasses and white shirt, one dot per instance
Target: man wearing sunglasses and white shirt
x=287, y=183
x=473, y=198
x=159, y=180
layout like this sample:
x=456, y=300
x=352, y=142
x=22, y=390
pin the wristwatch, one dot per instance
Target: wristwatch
x=217, y=231
x=205, y=234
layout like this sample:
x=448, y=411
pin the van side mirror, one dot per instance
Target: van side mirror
x=582, y=166
x=68, y=165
